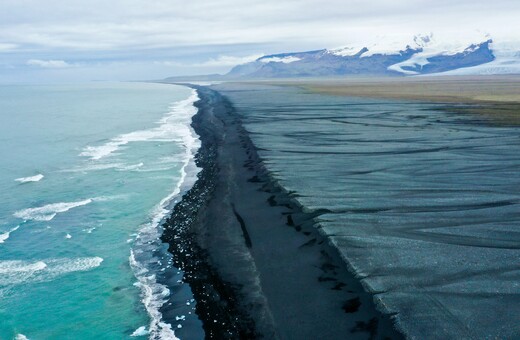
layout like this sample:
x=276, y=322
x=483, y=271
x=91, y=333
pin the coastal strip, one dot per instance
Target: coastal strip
x=257, y=264
x=496, y=98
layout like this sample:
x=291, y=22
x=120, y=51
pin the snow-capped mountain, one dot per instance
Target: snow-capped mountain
x=422, y=55
x=507, y=61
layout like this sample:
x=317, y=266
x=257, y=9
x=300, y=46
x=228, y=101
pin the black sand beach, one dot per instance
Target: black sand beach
x=420, y=202
x=256, y=264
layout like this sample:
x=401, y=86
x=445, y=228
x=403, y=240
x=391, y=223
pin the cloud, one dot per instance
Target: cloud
x=7, y=47
x=225, y=60
x=220, y=61
x=229, y=60
x=48, y=63
x=134, y=24
x=209, y=36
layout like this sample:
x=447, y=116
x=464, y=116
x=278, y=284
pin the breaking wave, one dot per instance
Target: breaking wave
x=13, y=272
x=5, y=236
x=170, y=128
x=154, y=294
x=49, y=211
x=36, y=178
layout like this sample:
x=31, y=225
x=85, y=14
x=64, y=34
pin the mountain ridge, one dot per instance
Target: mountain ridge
x=423, y=55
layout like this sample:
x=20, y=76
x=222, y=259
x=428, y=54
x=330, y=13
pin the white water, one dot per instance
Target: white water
x=153, y=293
x=36, y=178
x=5, y=236
x=14, y=272
x=77, y=225
x=170, y=128
x=49, y=211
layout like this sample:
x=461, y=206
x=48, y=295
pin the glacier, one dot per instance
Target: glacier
x=423, y=54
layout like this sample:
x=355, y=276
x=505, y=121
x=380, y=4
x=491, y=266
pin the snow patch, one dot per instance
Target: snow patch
x=383, y=45
x=433, y=48
x=285, y=60
x=348, y=51
x=507, y=61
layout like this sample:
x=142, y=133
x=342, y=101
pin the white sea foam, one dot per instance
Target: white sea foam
x=58, y=267
x=89, y=230
x=141, y=331
x=21, y=337
x=104, y=166
x=94, y=167
x=130, y=167
x=16, y=272
x=154, y=294
x=5, y=236
x=168, y=159
x=153, y=297
x=111, y=198
x=49, y=211
x=16, y=266
x=98, y=152
x=170, y=128
x=155, y=169
x=36, y=178
x=13, y=272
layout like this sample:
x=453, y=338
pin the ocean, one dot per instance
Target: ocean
x=87, y=174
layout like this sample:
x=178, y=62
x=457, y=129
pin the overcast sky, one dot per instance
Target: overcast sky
x=73, y=40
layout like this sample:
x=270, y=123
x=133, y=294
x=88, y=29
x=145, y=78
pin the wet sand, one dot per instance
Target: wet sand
x=257, y=266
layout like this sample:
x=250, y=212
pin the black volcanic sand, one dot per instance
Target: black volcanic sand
x=257, y=266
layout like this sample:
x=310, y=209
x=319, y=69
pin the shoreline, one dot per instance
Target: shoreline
x=257, y=264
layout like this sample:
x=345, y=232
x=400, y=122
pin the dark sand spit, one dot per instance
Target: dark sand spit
x=422, y=202
x=256, y=264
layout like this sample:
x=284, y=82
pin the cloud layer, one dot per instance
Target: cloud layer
x=201, y=34
x=48, y=63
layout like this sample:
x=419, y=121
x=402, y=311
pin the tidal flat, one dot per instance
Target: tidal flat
x=496, y=97
x=420, y=202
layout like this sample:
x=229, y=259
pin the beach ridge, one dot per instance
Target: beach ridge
x=256, y=262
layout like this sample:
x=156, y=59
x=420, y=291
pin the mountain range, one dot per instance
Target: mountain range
x=423, y=55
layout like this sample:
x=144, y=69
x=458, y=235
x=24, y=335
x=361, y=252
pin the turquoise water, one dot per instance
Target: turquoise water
x=86, y=174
